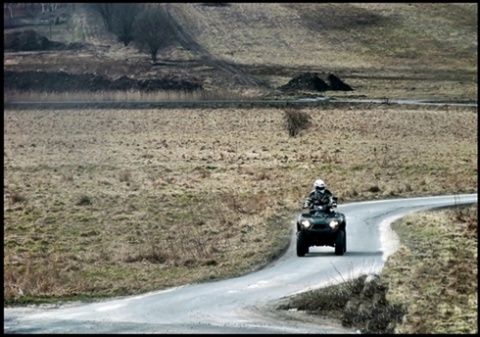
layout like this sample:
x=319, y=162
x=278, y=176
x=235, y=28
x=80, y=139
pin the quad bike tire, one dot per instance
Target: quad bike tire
x=302, y=247
x=340, y=243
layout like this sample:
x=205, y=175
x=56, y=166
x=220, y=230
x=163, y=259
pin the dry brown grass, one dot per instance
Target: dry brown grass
x=102, y=202
x=421, y=47
x=335, y=35
x=440, y=284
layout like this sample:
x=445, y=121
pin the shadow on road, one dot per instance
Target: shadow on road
x=349, y=254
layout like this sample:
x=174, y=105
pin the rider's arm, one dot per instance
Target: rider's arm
x=309, y=200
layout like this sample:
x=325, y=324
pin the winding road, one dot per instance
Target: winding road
x=243, y=304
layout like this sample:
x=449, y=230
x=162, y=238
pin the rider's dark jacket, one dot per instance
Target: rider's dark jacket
x=317, y=197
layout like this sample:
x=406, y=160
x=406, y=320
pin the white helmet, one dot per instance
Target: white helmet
x=319, y=183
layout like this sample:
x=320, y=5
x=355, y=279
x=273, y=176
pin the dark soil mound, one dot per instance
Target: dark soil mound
x=338, y=84
x=63, y=82
x=215, y=4
x=124, y=83
x=306, y=81
x=311, y=81
x=30, y=40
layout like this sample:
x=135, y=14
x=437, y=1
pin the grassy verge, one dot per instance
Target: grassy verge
x=440, y=285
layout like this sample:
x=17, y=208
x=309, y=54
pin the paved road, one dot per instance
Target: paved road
x=239, y=305
x=227, y=103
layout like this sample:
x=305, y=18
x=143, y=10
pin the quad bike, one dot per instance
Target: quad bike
x=321, y=225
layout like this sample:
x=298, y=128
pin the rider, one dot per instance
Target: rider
x=319, y=196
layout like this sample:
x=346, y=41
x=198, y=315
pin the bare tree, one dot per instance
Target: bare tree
x=124, y=19
x=49, y=7
x=7, y=7
x=106, y=10
x=154, y=30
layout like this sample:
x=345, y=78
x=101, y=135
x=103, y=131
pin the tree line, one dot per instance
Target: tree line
x=148, y=25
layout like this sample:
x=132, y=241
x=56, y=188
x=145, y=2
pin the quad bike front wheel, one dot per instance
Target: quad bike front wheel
x=340, y=243
x=302, y=247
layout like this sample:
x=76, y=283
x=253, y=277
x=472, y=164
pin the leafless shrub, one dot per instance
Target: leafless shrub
x=330, y=156
x=43, y=278
x=263, y=175
x=215, y=4
x=386, y=101
x=84, y=200
x=152, y=253
x=106, y=11
x=124, y=20
x=408, y=187
x=201, y=171
x=17, y=197
x=383, y=157
x=67, y=177
x=373, y=189
x=230, y=201
x=468, y=218
x=296, y=121
x=125, y=176
x=190, y=246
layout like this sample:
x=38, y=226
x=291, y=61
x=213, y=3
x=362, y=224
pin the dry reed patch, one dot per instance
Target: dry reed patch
x=185, y=195
x=114, y=96
x=440, y=286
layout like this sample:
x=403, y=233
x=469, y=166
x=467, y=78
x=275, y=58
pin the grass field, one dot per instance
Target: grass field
x=101, y=202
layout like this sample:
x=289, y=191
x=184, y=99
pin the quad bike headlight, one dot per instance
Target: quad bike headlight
x=305, y=223
x=333, y=224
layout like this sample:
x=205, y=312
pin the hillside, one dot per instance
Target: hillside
x=380, y=50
